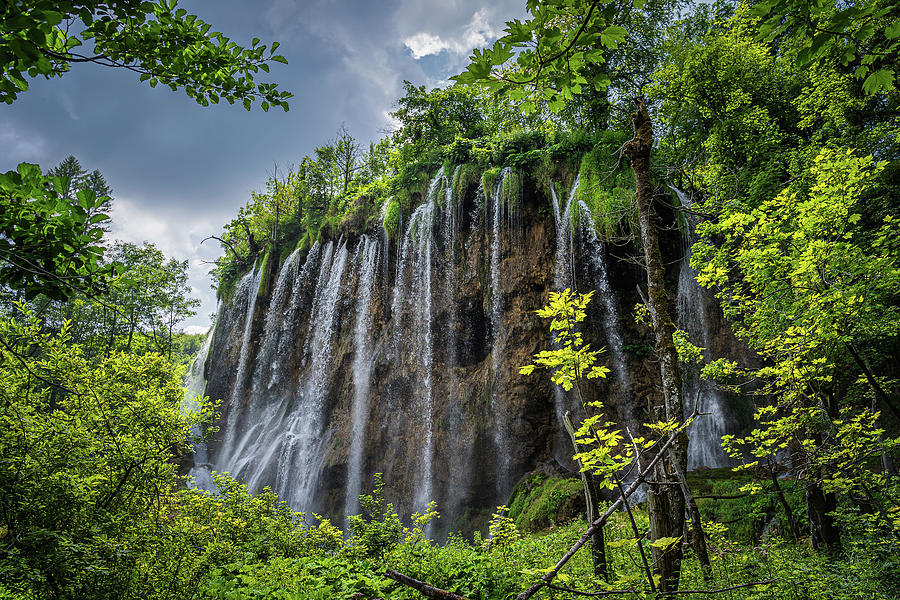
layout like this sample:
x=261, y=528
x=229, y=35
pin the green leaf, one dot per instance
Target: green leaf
x=881, y=80
x=612, y=36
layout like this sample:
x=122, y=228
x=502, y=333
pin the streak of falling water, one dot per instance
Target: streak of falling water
x=302, y=282
x=412, y=341
x=419, y=240
x=368, y=254
x=563, y=275
x=274, y=328
x=598, y=257
x=249, y=286
x=498, y=338
x=705, y=433
x=563, y=278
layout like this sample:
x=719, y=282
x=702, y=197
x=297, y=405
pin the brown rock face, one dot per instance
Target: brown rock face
x=365, y=356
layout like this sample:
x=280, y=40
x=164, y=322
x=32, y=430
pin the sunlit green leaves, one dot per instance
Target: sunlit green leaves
x=573, y=359
x=864, y=34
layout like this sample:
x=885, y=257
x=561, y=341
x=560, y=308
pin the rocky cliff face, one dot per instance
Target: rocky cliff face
x=366, y=355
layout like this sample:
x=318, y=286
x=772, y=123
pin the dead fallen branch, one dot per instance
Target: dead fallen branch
x=714, y=497
x=603, y=594
x=429, y=591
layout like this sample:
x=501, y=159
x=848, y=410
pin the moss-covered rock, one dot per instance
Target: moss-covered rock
x=608, y=193
x=489, y=180
x=540, y=501
x=392, y=218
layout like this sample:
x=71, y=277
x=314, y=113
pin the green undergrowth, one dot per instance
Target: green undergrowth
x=499, y=567
x=749, y=518
x=235, y=546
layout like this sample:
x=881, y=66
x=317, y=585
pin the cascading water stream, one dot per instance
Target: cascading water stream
x=248, y=286
x=302, y=445
x=705, y=433
x=498, y=335
x=368, y=253
x=412, y=310
x=563, y=266
x=274, y=329
x=563, y=278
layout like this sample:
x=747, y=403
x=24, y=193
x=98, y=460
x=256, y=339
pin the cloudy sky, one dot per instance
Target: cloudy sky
x=180, y=171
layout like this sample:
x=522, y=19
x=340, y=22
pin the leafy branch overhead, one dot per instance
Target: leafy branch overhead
x=159, y=41
x=548, y=55
x=864, y=36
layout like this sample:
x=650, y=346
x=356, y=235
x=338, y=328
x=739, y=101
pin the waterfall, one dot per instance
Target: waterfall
x=284, y=435
x=460, y=457
x=705, y=433
x=302, y=284
x=299, y=458
x=274, y=328
x=367, y=253
x=363, y=360
x=563, y=276
x=412, y=305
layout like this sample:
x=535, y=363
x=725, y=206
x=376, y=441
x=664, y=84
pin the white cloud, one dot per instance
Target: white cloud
x=25, y=147
x=195, y=329
x=476, y=33
x=177, y=235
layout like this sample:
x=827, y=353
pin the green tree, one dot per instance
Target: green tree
x=863, y=36
x=816, y=295
x=569, y=363
x=86, y=463
x=79, y=179
x=149, y=297
x=157, y=40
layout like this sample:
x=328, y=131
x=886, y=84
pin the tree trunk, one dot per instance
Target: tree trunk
x=429, y=591
x=819, y=506
x=666, y=503
x=698, y=536
x=795, y=533
x=591, y=501
x=873, y=382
